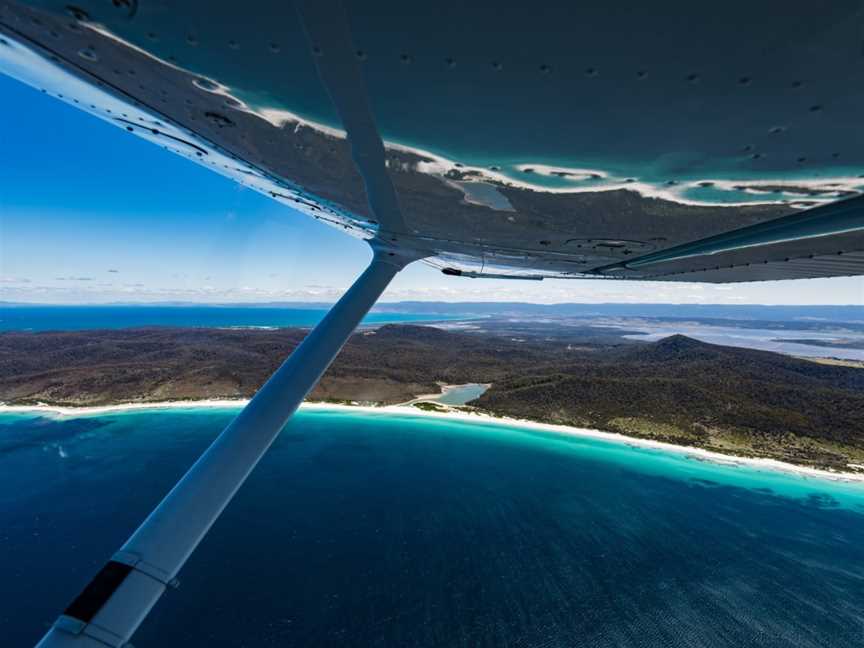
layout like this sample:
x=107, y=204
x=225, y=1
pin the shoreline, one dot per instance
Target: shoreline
x=699, y=454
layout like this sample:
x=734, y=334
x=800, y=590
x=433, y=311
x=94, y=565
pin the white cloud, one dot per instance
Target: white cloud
x=424, y=284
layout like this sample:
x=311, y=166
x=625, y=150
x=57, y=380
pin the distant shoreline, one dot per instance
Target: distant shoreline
x=699, y=454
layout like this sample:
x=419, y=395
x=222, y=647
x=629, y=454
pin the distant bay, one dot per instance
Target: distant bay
x=77, y=318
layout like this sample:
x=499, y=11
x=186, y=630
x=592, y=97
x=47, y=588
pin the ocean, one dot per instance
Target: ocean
x=75, y=318
x=373, y=529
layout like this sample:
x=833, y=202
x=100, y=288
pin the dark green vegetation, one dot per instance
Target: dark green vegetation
x=430, y=407
x=733, y=400
x=391, y=364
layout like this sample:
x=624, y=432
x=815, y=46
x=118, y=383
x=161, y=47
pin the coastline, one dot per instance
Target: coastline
x=452, y=414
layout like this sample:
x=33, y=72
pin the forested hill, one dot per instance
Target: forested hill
x=689, y=392
x=678, y=389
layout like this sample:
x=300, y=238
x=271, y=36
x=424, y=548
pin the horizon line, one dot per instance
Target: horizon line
x=286, y=303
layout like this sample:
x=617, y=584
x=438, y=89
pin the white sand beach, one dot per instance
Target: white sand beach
x=451, y=413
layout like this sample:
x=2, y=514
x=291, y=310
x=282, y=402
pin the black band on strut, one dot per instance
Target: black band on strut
x=98, y=591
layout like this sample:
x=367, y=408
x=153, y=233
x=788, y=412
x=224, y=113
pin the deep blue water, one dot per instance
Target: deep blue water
x=378, y=530
x=72, y=318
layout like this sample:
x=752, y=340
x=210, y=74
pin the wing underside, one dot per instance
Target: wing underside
x=498, y=141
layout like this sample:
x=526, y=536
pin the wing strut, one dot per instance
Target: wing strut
x=329, y=34
x=841, y=217
x=119, y=597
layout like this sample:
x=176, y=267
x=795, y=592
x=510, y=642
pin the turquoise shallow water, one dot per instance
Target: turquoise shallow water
x=382, y=530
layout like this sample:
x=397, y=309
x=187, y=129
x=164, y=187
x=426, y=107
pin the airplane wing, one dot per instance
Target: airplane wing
x=589, y=140
x=558, y=142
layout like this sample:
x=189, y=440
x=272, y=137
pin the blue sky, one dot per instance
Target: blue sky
x=92, y=214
